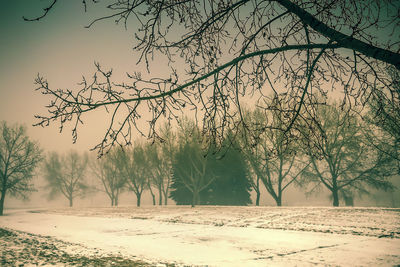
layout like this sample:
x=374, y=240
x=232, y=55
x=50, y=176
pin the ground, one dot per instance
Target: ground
x=20, y=249
x=201, y=236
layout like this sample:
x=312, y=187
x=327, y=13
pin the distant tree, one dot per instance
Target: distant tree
x=135, y=169
x=204, y=174
x=66, y=175
x=168, y=146
x=108, y=171
x=226, y=174
x=160, y=156
x=190, y=163
x=340, y=158
x=156, y=174
x=232, y=185
x=180, y=193
x=19, y=157
x=248, y=140
x=190, y=170
x=272, y=153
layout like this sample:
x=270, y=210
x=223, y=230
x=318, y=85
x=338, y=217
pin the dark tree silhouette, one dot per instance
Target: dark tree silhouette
x=341, y=159
x=224, y=52
x=232, y=185
x=191, y=171
x=204, y=174
x=66, y=174
x=19, y=157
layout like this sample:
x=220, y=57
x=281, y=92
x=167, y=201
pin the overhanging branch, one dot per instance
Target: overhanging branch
x=207, y=75
x=341, y=39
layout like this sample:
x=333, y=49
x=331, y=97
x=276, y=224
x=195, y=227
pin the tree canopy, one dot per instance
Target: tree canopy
x=222, y=53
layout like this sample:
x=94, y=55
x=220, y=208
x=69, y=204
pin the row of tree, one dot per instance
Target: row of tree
x=333, y=151
x=178, y=162
x=338, y=151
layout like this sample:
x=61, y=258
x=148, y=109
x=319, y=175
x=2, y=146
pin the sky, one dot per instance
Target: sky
x=61, y=49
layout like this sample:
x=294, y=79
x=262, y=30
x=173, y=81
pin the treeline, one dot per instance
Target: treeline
x=180, y=165
x=329, y=146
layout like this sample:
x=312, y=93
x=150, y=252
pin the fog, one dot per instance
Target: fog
x=292, y=197
x=63, y=50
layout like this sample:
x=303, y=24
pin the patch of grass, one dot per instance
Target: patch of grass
x=4, y=232
x=19, y=249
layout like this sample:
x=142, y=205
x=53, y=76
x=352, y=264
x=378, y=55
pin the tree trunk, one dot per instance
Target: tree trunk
x=116, y=201
x=195, y=199
x=159, y=196
x=112, y=201
x=166, y=198
x=335, y=197
x=138, y=196
x=71, y=202
x=391, y=198
x=258, y=198
x=279, y=201
x=348, y=200
x=152, y=195
x=3, y=196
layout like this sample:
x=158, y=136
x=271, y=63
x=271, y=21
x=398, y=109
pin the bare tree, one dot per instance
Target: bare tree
x=19, y=157
x=160, y=156
x=135, y=169
x=108, y=171
x=341, y=160
x=66, y=174
x=272, y=153
x=168, y=147
x=156, y=170
x=224, y=52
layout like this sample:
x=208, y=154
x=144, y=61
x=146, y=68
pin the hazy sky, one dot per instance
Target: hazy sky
x=62, y=50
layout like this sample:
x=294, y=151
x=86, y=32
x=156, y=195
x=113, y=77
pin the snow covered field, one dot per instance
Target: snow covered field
x=221, y=236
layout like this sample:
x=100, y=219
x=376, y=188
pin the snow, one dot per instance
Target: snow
x=224, y=236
